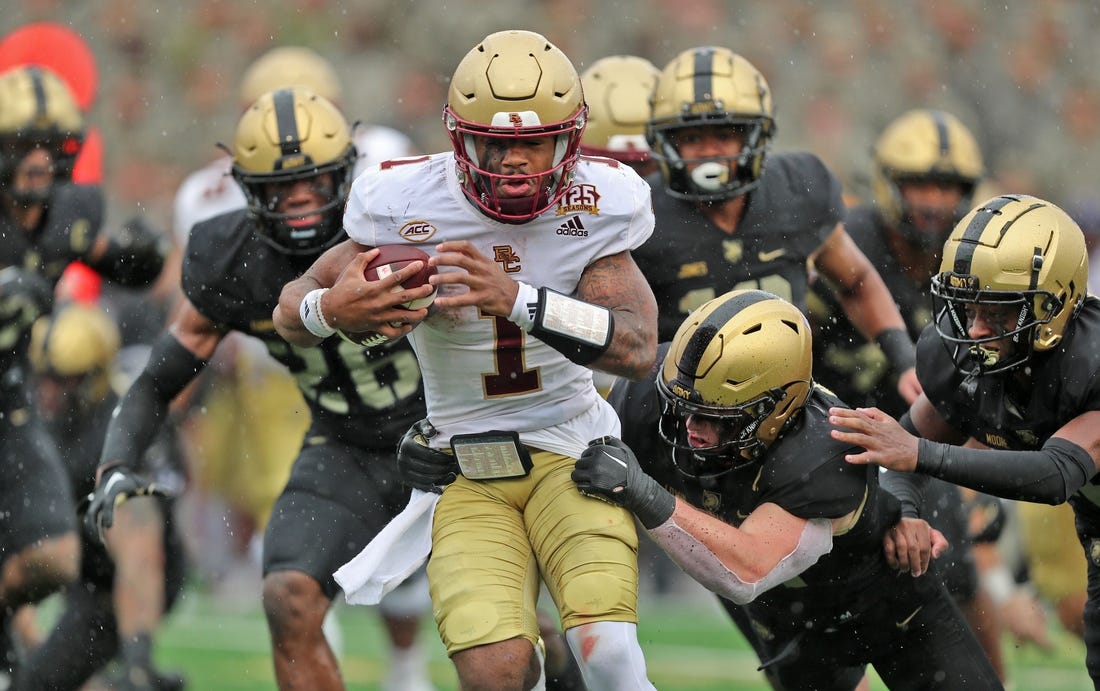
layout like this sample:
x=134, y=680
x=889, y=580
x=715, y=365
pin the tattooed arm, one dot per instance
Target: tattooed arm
x=616, y=282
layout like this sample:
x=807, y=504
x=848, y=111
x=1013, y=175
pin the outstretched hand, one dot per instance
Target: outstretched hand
x=114, y=489
x=885, y=442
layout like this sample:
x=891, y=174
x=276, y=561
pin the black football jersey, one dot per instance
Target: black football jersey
x=68, y=230
x=1003, y=412
x=688, y=260
x=804, y=472
x=231, y=276
x=844, y=361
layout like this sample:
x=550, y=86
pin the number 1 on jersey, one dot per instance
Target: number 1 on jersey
x=510, y=377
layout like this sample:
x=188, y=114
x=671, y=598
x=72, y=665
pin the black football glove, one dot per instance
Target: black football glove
x=421, y=466
x=113, y=489
x=608, y=470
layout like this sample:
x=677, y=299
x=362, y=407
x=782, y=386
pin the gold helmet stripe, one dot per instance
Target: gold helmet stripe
x=972, y=236
x=35, y=73
x=710, y=326
x=290, y=142
x=939, y=120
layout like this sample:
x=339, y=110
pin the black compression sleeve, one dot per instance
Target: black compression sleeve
x=907, y=487
x=139, y=414
x=898, y=348
x=1050, y=475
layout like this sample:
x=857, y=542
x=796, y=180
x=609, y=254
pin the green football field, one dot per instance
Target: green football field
x=688, y=645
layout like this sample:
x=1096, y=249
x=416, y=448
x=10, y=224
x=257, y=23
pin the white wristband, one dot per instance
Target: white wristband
x=312, y=318
x=523, y=309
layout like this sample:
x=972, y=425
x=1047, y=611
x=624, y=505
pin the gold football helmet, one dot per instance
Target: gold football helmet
x=37, y=110
x=515, y=85
x=744, y=358
x=924, y=146
x=289, y=136
x=78, y=343
x=1016, y=252
x=711, y=86
x=617, y=89
x=289, y=66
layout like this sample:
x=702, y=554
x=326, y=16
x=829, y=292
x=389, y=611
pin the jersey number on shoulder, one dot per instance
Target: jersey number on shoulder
x=511, y=376
x=324, y=374
x=774, y=283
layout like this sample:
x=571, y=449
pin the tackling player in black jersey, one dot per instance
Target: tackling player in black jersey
x=1011, y=375
x=728, y=464
x=343, y=486
x=729, y=221
x=926, y=167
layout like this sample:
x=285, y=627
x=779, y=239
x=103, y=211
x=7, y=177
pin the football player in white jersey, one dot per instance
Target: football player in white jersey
x=536, y=285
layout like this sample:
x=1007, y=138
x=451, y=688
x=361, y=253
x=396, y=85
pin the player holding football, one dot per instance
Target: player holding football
x=343, y=486
x=536, y=284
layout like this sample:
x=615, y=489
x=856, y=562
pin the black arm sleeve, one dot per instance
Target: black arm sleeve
x=134, y=256
x=139, y=414
x=1049, y=476
x=907, y=487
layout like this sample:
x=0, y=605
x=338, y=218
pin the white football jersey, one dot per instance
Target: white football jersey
x=212, y=191
x=483, y=372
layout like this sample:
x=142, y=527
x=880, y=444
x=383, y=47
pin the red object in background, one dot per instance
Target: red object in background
x=65, y=52
x=59, y=48
x=79, y=283
x=88, y=169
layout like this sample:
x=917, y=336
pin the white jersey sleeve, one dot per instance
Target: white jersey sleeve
x=205, y=193
x=482, y=372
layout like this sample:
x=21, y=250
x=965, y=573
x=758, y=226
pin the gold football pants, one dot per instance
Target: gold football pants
x=492, y=539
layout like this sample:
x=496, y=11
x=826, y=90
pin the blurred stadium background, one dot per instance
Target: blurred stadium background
x=1022, y=77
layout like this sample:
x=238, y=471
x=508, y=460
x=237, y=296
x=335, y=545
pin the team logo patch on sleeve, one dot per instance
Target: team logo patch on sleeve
x=580, y=198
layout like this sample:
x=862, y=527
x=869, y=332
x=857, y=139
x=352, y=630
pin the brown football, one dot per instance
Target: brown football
x=393, y=258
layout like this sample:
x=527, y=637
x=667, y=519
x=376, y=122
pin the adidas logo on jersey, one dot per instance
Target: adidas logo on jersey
x=573, y=227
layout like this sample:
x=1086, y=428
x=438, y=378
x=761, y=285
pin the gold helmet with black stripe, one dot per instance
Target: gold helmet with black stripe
x=618, y=89
x=38, y=110
x=711, y=86
x=286, y=137
x=924, y=146
x=1021, y=256
x=744, y=359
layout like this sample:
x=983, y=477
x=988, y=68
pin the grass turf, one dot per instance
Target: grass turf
x=689, y=645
